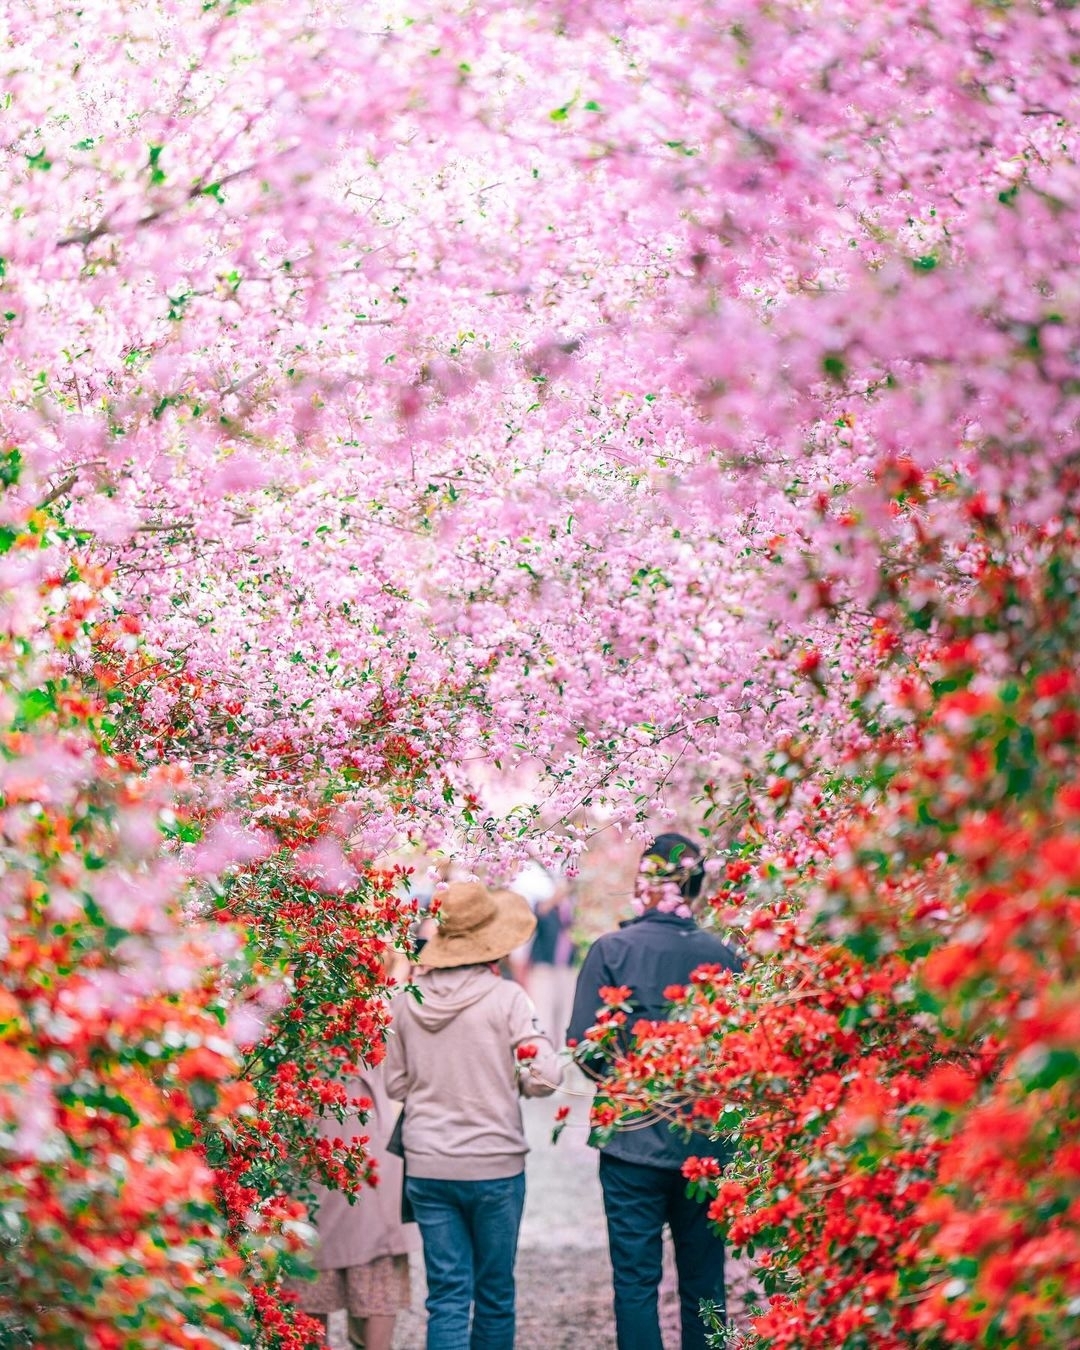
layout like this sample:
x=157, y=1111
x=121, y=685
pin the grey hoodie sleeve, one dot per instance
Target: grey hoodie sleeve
x=540, y=1076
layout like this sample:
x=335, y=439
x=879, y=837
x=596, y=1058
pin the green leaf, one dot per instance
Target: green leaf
x=834, y=365
x=1042, y=1071
x=35, y=704
x=102, y=1099
x=157, y=176
x=10, y=467
x=186, y=831
x=864, y=944
x=177, y=304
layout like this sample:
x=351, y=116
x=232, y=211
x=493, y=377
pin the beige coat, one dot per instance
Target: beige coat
x=356, y=1234
x=452, y=1059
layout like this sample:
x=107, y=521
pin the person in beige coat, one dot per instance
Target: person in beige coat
x=460, y=1059
x=362, y=1255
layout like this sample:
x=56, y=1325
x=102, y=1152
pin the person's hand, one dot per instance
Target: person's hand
x=525, y=1054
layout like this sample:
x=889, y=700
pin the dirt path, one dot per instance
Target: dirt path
x=563, y=1272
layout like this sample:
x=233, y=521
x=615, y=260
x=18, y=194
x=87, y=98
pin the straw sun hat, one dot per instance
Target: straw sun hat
x=477, y=925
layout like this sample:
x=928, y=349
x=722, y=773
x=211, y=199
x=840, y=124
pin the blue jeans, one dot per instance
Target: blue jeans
x=470, y=1234
x=638, y=1201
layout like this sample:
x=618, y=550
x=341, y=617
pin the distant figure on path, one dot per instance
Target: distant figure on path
x=640, y=1169
x=460, y=1060
x=550, y=967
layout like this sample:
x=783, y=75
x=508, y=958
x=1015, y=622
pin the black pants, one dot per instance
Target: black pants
x=638, y=1201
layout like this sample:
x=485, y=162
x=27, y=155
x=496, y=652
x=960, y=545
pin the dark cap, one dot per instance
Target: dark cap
x=677, y=859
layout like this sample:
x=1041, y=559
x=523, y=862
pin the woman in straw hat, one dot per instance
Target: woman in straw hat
x=460, y=1059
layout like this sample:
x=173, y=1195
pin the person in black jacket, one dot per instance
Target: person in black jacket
x=640, y=1168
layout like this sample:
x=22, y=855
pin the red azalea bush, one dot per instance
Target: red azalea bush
x=181, y=998
x=324, y=1018
x=900, y=1062
x=321, y=926
x=116, y=1052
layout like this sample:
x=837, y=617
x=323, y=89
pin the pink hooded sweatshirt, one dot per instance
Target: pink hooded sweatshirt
x=452, y=1060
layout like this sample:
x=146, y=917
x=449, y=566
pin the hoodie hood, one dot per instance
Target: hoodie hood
x=448, y=992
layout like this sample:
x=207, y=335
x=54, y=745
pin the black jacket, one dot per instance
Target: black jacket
x=648, y=954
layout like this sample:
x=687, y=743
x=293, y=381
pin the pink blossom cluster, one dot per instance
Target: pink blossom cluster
x=533, y=382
